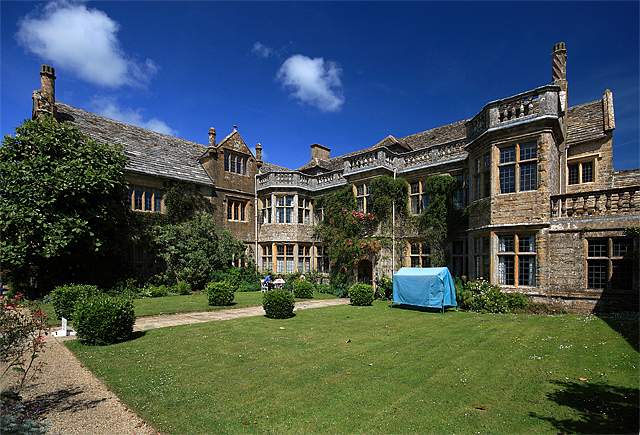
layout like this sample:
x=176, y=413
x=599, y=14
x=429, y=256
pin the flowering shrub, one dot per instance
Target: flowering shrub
x=303, y=289
x=278, y=304
x=104, y=319
x=23, y=329
x=361, y=294
x=347, y=233
x=219, y=293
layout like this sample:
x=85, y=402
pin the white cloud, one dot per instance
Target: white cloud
x=262, y=50
x=108, y=108
x=313, y=81
x=70, y=36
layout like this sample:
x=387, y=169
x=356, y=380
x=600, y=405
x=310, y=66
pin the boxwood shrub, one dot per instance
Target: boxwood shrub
x=183, y=288
x=64, y=298
x=220, y=293
x=361, y=294
x=278, y=304
x=103, y=319
x=303, y=289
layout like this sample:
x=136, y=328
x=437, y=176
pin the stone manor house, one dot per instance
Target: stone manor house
x=548, y=210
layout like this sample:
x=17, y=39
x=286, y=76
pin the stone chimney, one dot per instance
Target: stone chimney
x=258, y=155
x=320, y=152
x=44, y=99
x=212, y=137
x=559, y=72
x=609, y=117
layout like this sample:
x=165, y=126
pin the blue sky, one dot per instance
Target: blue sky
x=290, y=74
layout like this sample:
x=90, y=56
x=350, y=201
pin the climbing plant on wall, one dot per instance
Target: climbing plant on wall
x=437, y=220
x=346, y=233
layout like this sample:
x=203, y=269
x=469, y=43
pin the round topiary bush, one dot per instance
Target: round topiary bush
x=361, y=294
x=103, y=319
x=278, y=304
x=220, y=293
x=64, y=298
x=303, y=289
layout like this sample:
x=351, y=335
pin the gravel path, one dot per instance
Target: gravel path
x=75, y=402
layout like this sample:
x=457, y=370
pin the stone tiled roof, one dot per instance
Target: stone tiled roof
x=270, y=167
x=436, y=136
x=149, y=152
x=585, y=122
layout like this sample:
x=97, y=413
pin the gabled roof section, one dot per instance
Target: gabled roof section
x=149, y=152
x=393, y=145
x=436, y=136
x=585, y=122
x=234, y=142
x=316, y=166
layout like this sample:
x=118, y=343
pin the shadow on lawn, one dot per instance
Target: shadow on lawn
x=626, y=324
x=596, y=408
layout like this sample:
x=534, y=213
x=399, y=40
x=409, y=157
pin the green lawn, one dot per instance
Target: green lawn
x=349, y=369
x=184, y=304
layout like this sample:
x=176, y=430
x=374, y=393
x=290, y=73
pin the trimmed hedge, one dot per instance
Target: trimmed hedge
x=361, y=294
x=64, y=298
x=303, y=289
x=278, y=304
x=220, y=293
x=102, y=319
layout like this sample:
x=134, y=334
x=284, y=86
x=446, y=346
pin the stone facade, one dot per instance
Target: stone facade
x=548, y=212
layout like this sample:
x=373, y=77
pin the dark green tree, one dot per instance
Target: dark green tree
x=194, y=249
x=61, y=204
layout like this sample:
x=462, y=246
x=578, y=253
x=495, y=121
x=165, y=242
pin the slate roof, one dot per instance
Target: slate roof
x=436, y=136
x=585, y=122
x=149, y=152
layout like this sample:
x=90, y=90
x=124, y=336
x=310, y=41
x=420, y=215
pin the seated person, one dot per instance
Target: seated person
x=268, y=282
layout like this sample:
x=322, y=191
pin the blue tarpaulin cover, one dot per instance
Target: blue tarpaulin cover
x=430, y=287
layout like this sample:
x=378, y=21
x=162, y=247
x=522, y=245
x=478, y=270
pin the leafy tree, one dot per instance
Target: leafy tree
x=61, y=203
x=195, y=249
x=346, y=232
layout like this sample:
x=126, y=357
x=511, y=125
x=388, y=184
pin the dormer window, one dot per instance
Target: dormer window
x=235, y=164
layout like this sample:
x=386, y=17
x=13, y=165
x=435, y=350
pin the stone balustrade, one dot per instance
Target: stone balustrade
x=434, y=154
x=369, y=160
x=600, y=204
x=299, y=180
x=543, y=101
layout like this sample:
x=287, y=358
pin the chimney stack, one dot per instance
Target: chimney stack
x=44, y=99
x=320, y=152
x=559, y=72
x=258, y=155
x=212, y=137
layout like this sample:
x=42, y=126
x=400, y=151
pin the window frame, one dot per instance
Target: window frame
x=518, y=167
x=515, y=250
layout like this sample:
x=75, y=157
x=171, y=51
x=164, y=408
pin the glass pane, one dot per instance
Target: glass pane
x=415, y=249
x=621, y=247
x=505, y=270
x=507, y=155
x=415, y=188
x=138, y=199
x=157, y=198
x=280, y=249
x=528, y=151
x=597, y=274
x=573, y=174
x=526, y=271
x=147, y=199
x=506, y=244
x=587, y=172
x=360, y=190
x=528, y=178
x=598, y=248
x=508, y=179
x=527, y=243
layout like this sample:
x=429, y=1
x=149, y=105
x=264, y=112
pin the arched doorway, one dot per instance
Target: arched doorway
x=364, y=272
